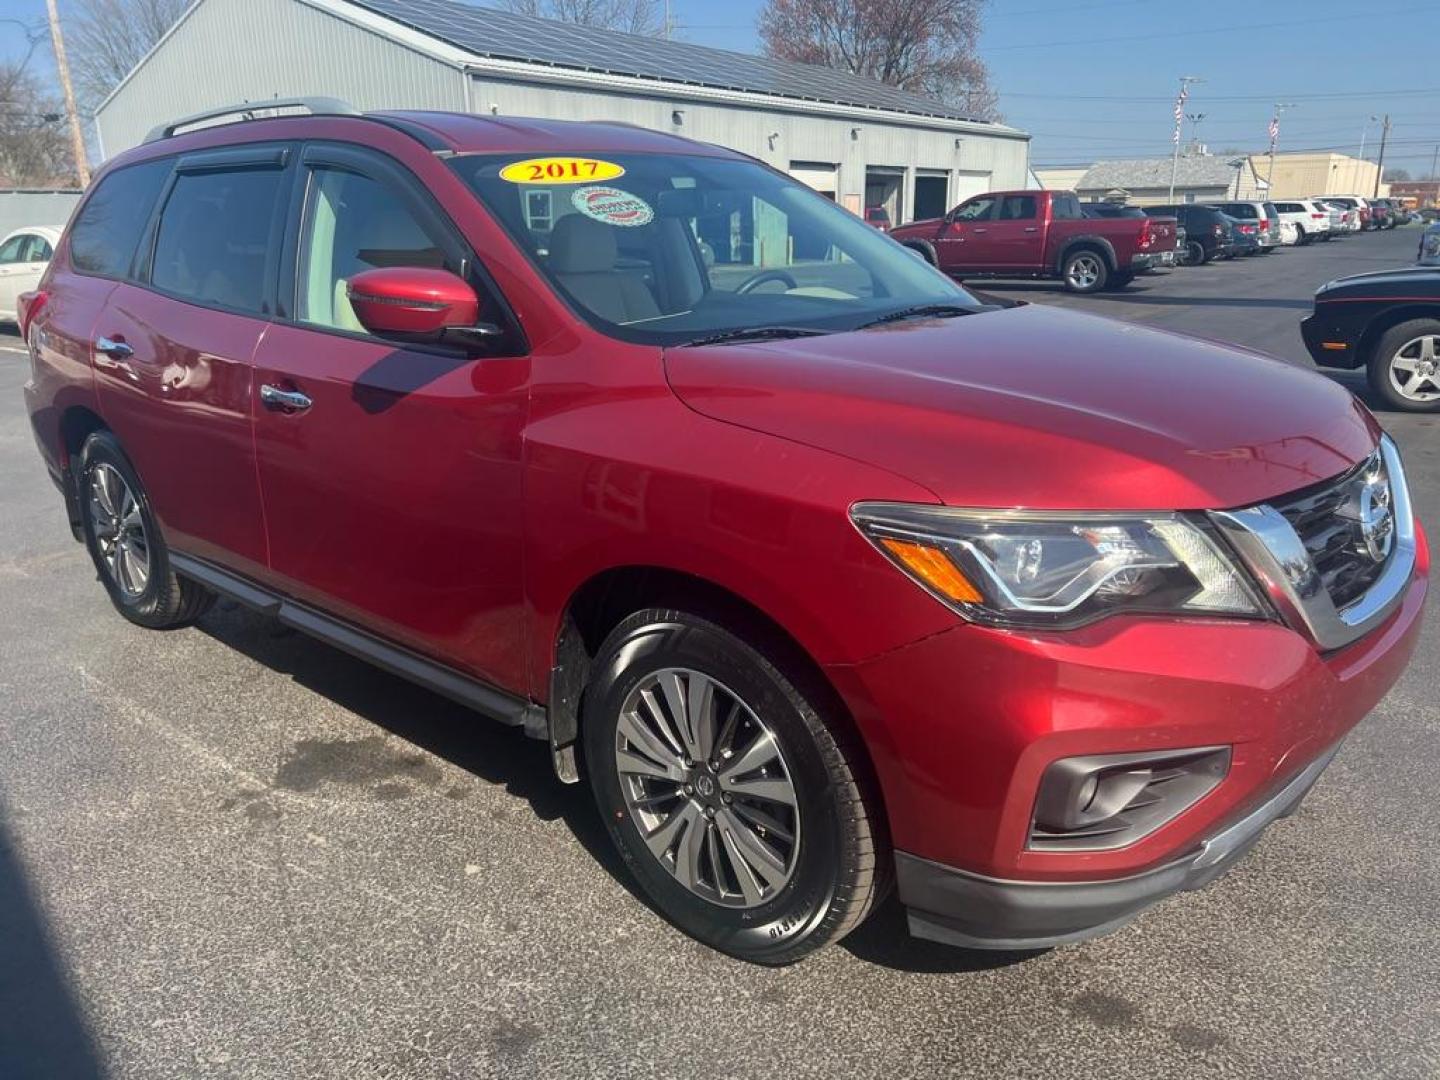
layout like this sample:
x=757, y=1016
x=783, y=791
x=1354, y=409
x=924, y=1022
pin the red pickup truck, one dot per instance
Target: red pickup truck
x=1041, y=234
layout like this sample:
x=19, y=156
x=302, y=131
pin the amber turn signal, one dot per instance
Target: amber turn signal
x=932, y=567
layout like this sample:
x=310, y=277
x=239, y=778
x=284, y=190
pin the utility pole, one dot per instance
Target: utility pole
x=1379, y=165
x=1280, y=107
x=62, y=66
x=1185, y=81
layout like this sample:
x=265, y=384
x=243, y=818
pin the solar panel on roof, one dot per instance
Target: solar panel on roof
x=504, y=35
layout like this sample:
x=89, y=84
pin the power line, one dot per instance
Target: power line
x=1226, y=97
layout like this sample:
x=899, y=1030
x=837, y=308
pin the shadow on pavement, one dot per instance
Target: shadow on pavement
x=41, y=1032
x=504, y=756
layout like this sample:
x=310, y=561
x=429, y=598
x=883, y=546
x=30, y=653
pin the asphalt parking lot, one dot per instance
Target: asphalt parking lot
x=231, y=851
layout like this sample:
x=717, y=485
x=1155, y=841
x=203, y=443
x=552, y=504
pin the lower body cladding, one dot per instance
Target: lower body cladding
x=1230, y=721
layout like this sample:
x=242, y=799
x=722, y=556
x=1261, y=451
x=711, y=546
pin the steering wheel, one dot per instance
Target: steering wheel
x=754, y=281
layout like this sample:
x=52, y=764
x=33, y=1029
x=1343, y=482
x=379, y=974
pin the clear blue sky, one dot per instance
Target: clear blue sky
x=1097, y=78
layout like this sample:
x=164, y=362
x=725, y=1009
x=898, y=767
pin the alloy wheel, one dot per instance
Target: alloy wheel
x=1415, y=369
x=708, y=787
x=119, y=530
x=1084, y=271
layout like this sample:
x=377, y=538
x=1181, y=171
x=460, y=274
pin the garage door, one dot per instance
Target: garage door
x=819, y=175
x=970, y=183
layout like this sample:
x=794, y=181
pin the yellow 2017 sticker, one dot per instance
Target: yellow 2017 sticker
x=560, y=170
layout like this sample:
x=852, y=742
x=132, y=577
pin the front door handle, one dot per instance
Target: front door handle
x=1032, y=228
x=272, y=397
x=116, y=350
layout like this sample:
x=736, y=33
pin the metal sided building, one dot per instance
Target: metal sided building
x=861, y=142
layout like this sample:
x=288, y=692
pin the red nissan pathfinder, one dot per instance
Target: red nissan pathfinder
x=826, y=577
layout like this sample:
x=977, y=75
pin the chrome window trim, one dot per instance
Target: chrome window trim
x=1279, y=559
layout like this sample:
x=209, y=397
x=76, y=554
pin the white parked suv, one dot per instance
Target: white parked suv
x=1430, y=245
x=1311, y=221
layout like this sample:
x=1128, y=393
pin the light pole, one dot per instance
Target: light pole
x=1280, y=107
x=1355, y=169
x=1185, y=81
x=1195, y=118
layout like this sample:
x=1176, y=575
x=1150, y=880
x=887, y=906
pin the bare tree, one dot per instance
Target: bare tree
x=34, y=147
x=1399, y=175
x=106, y=38
x=631, y=16
x=928, y=46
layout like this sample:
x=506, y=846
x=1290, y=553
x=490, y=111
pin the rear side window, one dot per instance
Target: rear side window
x=1017, y=208
x=108, y=229
x=213, y=244
x=1065, y=208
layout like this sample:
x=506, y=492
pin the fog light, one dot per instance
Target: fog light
x=1104, y=801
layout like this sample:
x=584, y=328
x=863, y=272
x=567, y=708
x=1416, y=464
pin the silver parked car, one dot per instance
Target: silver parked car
x=1429, y=254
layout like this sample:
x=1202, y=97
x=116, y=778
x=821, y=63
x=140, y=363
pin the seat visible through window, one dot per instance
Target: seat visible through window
x=583, y=255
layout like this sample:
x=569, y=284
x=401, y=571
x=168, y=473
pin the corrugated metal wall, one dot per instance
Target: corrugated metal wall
x=228, y=51
x=247, y=50
x=777, y=137
x=19, y=209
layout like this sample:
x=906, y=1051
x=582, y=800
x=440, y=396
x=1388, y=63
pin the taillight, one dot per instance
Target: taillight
x=1218, y=230
x=1146, y=236
x=1317, y=217
x=27, y=306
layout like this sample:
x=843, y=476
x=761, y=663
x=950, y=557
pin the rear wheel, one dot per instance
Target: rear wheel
x=1195, y=253
x=1301, y=236
x=1085, y=271
x=125, y=543
x=742, y=811
x=1404, y=369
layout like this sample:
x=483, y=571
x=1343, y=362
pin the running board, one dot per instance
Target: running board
x=443, y=680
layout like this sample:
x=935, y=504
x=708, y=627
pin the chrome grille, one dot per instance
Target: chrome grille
x=1327, y=518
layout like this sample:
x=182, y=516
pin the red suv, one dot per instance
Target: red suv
x=825, y=575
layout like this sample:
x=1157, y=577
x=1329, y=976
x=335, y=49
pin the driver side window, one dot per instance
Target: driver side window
x=975, y=210
x=353, y=223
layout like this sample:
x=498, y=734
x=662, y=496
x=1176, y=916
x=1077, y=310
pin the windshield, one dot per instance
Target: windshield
x=669, y=248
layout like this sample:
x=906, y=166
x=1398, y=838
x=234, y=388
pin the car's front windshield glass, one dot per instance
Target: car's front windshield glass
x=670, y=248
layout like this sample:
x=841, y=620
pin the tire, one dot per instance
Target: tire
x=1406, y=342
x=1085, y=271
x=1302, y=238
x=836, y=860
x=925, y=251
x=125, y=543
x=1195, y=253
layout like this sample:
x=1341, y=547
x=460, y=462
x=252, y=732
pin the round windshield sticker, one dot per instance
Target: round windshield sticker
x=560, y=170
x=613, y=206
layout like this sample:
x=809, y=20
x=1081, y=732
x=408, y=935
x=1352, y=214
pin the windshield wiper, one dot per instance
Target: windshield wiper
x=922, y=311
x=756, y=333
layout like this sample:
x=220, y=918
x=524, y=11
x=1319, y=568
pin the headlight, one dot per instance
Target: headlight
x=1040, y=569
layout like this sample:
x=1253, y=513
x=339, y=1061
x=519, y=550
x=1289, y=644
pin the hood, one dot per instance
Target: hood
x=1403, y=282
x=1038, y=407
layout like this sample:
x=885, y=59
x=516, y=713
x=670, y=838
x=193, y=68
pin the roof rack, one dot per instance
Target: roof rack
x=247, y=110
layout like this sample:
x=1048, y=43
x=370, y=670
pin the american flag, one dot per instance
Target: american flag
x=1180, y=112
x=1274, y=129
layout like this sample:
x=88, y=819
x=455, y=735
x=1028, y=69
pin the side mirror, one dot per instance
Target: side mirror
x=417, y=302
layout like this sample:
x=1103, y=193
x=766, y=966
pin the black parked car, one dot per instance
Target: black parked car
x=1387, y=322
x=1207, y=234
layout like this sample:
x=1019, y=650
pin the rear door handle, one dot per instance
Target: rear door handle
x=273, y=397
x=1032, y=228
x=116, y=350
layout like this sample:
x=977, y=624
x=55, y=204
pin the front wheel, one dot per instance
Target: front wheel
x=1085, y=271
x=741, y=807
x=1404, y=369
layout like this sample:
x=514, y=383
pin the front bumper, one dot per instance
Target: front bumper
x=975, y=912
x=1329, y=340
